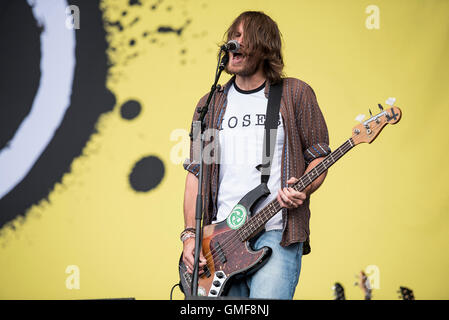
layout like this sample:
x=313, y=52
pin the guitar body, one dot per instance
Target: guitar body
x=227, y=257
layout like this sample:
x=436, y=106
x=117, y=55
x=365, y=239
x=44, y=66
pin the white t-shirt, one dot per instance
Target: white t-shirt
x=241, y=144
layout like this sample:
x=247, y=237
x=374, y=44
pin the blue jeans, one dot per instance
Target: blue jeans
x=278, y=278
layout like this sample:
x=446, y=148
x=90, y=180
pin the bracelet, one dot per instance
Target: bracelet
x=187, y=233
x=190, y=229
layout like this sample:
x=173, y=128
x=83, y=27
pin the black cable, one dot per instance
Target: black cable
x=171, y=291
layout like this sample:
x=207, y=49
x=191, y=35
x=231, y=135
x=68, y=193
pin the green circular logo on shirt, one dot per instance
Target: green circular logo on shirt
x=237, y=217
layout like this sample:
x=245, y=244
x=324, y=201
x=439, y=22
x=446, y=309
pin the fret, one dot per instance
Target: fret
x=256, y=222
x=321, y=167
x=269, y=208
x=253, y=227
x=241, y=233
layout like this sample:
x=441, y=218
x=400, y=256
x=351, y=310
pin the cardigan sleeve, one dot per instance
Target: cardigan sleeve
x=192, y=163
x=314, y=134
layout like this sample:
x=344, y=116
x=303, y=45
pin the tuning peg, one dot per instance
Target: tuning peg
x=380, y=107
x=390, y=101
x=360, y=118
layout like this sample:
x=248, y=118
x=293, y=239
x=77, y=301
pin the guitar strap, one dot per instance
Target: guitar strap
x=270, y=133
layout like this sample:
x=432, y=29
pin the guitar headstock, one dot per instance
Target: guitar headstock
x=369, y=129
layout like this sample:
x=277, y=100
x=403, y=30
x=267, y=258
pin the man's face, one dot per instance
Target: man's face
x=242, y=63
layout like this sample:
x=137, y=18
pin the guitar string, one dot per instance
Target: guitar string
x=230, y=243
x=274, y=207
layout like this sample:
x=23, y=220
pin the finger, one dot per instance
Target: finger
x=294, y=197
x=201, y=263
x=284, y=199
x=188, y=261
x=297, y=195
x=287, y=197
x=292, y=180
x=279, y=199
x=202, y=259
x=189, y=266
x=302, y=196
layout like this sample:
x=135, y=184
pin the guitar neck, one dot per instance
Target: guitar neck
x=258, y=221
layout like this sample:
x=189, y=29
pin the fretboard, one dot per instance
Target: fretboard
x=256, y=222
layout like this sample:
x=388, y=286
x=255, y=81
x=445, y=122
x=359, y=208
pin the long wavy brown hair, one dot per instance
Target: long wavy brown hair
x=262, y=38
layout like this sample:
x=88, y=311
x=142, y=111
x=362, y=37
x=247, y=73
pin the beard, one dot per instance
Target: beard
x=244, y=65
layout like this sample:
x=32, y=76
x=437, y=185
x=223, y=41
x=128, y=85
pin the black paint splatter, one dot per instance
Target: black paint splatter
x=168, y=29
x=130, y=109
x=154, y=6
x=117, y=24
x=135, y=2
x=136, y=19
x=147, y=173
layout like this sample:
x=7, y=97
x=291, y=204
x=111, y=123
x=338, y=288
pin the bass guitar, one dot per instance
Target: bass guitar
x=226, y=245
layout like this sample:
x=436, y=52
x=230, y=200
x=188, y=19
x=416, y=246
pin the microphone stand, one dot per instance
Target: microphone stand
x=199, y=126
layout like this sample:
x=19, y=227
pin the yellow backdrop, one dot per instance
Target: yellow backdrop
x=382, y=209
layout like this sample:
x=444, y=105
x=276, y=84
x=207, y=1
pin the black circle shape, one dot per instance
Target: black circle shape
x=89, y=100
x=146, y=174
x=130, y=109
x=20, y=65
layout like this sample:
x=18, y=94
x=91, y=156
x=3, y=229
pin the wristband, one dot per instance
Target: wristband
x=187, y=235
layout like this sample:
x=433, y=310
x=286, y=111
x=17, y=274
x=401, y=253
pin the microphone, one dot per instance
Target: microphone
x=231, y=46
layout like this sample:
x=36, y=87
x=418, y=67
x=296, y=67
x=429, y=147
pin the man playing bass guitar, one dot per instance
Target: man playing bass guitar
x=238, y=114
